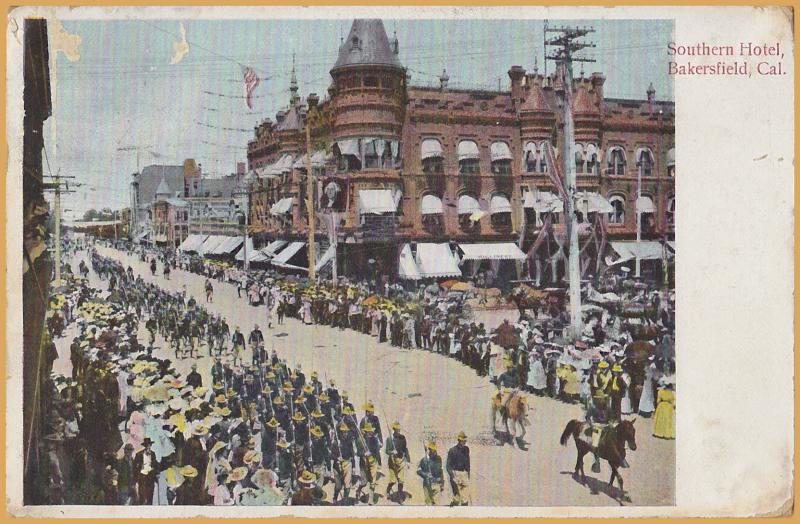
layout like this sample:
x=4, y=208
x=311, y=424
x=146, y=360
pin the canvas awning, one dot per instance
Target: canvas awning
x=647, y=250
x=250, y=251
x=227, y=246
x=376, y=201
x=282, y=206
x=500, y=151
x=645, y=205
x=283, y=258
x=192, y=243
x=431, y=148
x=436, y=260
x=467, y=149
x=467, y=205
x=407, y=266
x=324, y=260
x=273, y=248
x=317, y=160
x=592, y=203
x=141, y=236
x=349, y=146
x=492, y=251
x=543, y=202
x=499, y=204
x=212, y=242
x=431, y=205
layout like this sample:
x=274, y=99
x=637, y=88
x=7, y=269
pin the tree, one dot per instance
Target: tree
x=90, y=215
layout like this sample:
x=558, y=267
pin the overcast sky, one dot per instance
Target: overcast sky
x=123, y=92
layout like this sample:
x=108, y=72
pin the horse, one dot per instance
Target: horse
x=517, y=412
x=641, y=331
x=526, y=297
x=611, y=447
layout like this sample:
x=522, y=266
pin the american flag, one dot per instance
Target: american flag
x=250, y=83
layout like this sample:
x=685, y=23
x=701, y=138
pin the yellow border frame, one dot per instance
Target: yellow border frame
x=5, y=516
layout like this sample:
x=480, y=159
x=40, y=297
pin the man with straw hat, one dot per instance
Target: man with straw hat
x=397, y=458
x=368, y=463
x=458, y=469
x=343, y=457
x=285, y=464
x=320, y=454
x=305, y=496
x=372, y=419
x=430, y=470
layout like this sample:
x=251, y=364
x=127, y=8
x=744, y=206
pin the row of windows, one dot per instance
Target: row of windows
x=534, y=158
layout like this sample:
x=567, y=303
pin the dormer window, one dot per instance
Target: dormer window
x=356, y=43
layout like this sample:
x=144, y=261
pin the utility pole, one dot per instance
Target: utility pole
x=310, y=200
x=57, y=191
x=638, y=216
x=565, y=47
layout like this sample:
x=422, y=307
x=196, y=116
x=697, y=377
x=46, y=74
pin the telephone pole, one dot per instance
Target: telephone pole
x=564, y=47
x=57, y=190
x=310, y=200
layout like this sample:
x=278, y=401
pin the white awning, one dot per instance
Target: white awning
x=468, y=205
x=349, y=147
x=468, y=149
x=431, y=148
x=436, y=260
x=273, y=248
x=645, y=205
x=407, y=267
x=192, y=243
x=500, y=151
x=376, y=201
x=592, y=203
x=648, y=250
x=671, y=157
x=499, y=204
x=250, y=251
x=317, y=160
x=227, y=246
x=326, y=258
x=431, y=205
x=543, y=202
x=290, y=251
x=212, y=242
x=492, y=251
x=141, y=236
x=282, y=206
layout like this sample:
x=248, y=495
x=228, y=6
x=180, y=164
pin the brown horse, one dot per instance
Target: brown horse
x=611, y=447
x=517, y=412
x=526, y=297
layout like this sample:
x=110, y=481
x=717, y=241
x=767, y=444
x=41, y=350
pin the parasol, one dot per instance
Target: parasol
x=447, y=284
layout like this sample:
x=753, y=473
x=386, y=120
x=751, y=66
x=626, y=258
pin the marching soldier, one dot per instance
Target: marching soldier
x=368, y=462
x=372, y=419
x=320, y=455
x=344, y=454
x=458, y=469
x=397, y=458
x=430, y=470
x=238, y=345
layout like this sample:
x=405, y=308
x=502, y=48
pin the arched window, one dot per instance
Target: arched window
x=543, y=157
x=590, y=155
x=615, y=161
x=530, y=158
x=501, y=158
x=670, y=211
x=371, y=81
x=468, y=158
x=618, y=215
x=432, y=157
x=347, y=155
x=432, y=211
x=500, y=211
x=644, y=158
x=468, y=208
x=580, y=164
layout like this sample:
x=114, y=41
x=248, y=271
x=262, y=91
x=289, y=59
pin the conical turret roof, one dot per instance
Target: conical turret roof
x=367, y=44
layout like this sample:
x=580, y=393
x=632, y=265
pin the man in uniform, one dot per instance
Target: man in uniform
x=372, y=419
x=343, y=453
x=616, y=390
x=397, y=458
x=458, y=469
x=598, y=414
x=194, y=379
x=320, y=454
x=238, y=345
x=256, y=341
x=430, y=470
x=368, y=462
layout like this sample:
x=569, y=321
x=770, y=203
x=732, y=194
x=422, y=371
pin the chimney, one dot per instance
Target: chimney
x=516, y=74
x=598, y=80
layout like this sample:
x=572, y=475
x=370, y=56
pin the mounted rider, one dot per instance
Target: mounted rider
x=599, y=409
x=507, y=387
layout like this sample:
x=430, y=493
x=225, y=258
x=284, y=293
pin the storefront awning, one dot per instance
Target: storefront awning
x=431, y=205
x=431, y=148
x=273, y=248
x=592, y=203
x=492, y=251
x=376, y=201
x=324, y=260
x=192, y=243
x=317, y=160
x=467, y=149
x=468, y=205
x=407, y=266
x=645, y=205
x=212, y=242
x=499, y=204
x=141, y=236
x=647, y=250
x=349, y=146
x=500, y=151
x=543, y=202
x=250, y=251
x=282, y=206
x=227, y=246
x=436, y=260
x=287, y=253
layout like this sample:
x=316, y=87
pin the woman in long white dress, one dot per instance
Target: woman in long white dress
x=647, y=402
x=626, y=407
x=537, y=379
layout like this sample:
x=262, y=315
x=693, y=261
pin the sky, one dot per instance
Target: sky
x=122, y=100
